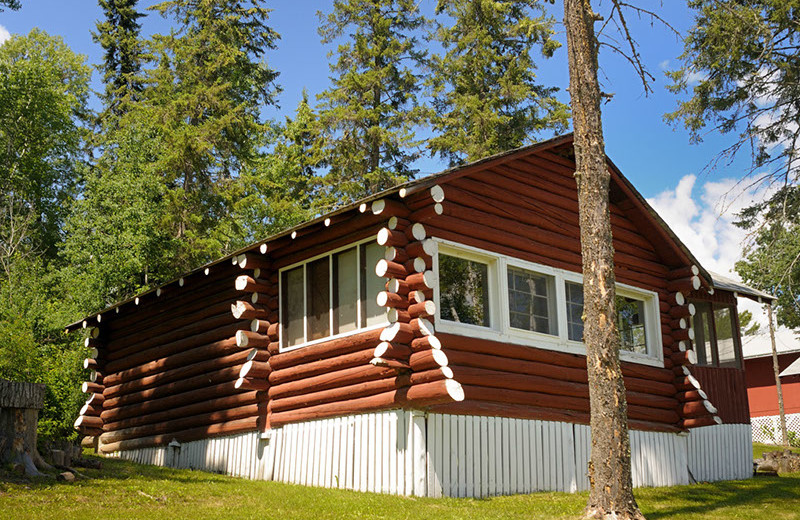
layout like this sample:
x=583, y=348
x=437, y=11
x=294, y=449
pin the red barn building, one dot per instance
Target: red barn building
x=428, y=341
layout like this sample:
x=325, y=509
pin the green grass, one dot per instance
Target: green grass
x=127, y=491
x=759, y=449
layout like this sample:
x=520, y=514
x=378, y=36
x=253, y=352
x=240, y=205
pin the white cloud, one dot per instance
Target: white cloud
x=663, y=65
x=702, y=215
x=4, y=35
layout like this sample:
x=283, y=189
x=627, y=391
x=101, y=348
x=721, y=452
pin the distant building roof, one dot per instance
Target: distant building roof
x=723, y=282
x=791, y=370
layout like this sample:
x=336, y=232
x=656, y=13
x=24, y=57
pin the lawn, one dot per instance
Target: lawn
x=128, y=491
x=759, y=449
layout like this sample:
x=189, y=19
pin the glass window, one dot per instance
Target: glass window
x=371, y=285
x=318, y=302
x=293, y=310
x=630, y=321
x=464, y=290
x=574, y=311
x=323, y=297
x=725, y=325
x=345, y=294
x=530, y=301
x=703, y=324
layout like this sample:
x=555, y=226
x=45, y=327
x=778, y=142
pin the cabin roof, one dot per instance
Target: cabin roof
x=619, y=181
x=791, y=370
x=729, y=284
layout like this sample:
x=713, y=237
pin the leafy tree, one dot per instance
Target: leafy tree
x=485, y=95
x=205, y=97
x=369, y=114
x=42, y=113
x=747, y=325
x=11, y=4
x=740, y=67
x=118, y=34
x=772, y=262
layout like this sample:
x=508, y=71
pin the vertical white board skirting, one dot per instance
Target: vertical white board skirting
x=402, y=452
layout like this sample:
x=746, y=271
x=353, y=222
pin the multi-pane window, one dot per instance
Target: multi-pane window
x=464, y=290
x=716, y=335
x=531, y=301
x=630, y=319
x=574, y=296
x=331, y=295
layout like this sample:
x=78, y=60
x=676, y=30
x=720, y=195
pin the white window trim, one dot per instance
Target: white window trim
x=501, y=330
x=304, y=263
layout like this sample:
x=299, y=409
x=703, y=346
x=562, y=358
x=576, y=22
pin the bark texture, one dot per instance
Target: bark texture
x=776, y=369
x=611, y=485
x=19, y=415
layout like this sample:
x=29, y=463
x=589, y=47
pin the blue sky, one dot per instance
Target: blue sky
x=656, y=157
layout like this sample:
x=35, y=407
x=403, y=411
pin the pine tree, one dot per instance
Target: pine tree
x=118, y=34
x=205, y=96
x=485, y=96
x=370, y=112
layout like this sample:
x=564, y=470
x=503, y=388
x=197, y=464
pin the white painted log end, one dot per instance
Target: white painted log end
x=241, y=282
x=181, y=281
x=235, y=260
x=254, y=298
x=263, y=248
x=382, y=299
x=392, y=316
x=93, y=376
x=136, y=300
x=85, y=387
x=383, y=236
x=695, y=270
x=241, y=339
x=252, y=354
x=239, y=383
x=435, y=344
x=378, y=207
x=680, y=299
x=710, y=407
x=440, y=357
x=117, y=310
x=682, y=323
x=381, y=349
x=392, y=224
x=419, y=265
x=94, y=353
x=692, y=357
x=430, y=279
x=711, y=291
x=237, y=309
x=416, y=296
x=447, y=372
x=425, y=327
x=294, y=235
x=693, y=381
x=438, y=208
x=454, y=389
x=248, y=365
x=85, y=324
x=695, y=282
x=437, y=193
x=682, y=346
x=99, y=318
x=86, y=362
x=362, y=208
x=418, y=231
x=691, y=334
x=692, y=309
x=95, y=332
x=158, y=292
x=717, y=420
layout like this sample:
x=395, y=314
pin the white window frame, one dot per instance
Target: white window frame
x=304, y=263
x=501, y=330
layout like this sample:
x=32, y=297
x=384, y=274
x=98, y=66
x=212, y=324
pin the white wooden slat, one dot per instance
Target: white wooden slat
x=513, y=458
x=491, y=469
x=349, y=446
x=392, y=449
x=525, y=458
x=420, y=453
x=476, y=449
x=484, y=457
x=504, y=449
x=453, y=456
x=469, y=466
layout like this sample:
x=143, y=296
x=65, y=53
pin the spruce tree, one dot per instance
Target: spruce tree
x=485, y=95
x=370, y=112
x=118, y=34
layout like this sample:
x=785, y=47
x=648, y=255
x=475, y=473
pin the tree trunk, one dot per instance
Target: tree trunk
x=611, y=485
x=19, y=416
x=776, y=368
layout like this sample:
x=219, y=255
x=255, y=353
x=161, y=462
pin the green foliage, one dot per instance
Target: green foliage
x=747, y=325
x=11, y=4
x=485, y=95
x=118, y=34
x=771, y=263
x=368, y=116
x=42, y=98
x=744, y=57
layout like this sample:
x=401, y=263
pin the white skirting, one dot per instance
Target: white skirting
x=410, y=453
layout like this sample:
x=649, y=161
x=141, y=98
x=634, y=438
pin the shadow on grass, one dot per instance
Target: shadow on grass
x=118, y=469
x=707, y=498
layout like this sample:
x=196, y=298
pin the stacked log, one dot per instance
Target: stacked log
x=694, y=408
x=169, y=367
x=89, y=422
x=260, y=286
x=410, y=308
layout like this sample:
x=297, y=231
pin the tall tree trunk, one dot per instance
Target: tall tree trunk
x=611, y=485
x=777, y=370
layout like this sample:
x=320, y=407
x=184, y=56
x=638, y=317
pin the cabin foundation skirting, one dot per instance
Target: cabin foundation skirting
x=410, y=453
x=767, y=429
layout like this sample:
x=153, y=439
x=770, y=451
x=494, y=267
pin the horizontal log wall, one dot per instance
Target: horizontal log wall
x=726, y=388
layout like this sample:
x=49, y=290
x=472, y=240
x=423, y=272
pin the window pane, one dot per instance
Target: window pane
x=703, y=334
x=345, y=292
x=292, y=310
x=574, y=311
x=464, y=287
x=630, y=320
x=371, y=285
x=530, y=300
x=726, y=339
x=318, y=299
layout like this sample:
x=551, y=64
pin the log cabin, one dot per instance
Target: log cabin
x=426, y=341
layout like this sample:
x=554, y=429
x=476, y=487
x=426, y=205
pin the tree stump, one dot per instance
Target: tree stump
x=19, y=416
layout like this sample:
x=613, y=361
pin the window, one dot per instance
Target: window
x=630, y=319
x=330, y=295
x=717, y=339
x=464, y=290
x=494, y=297
x=531, y=301
x=574, y=293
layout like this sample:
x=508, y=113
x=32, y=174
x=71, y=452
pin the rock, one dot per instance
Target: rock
x=66, y=477
x=781, y=461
